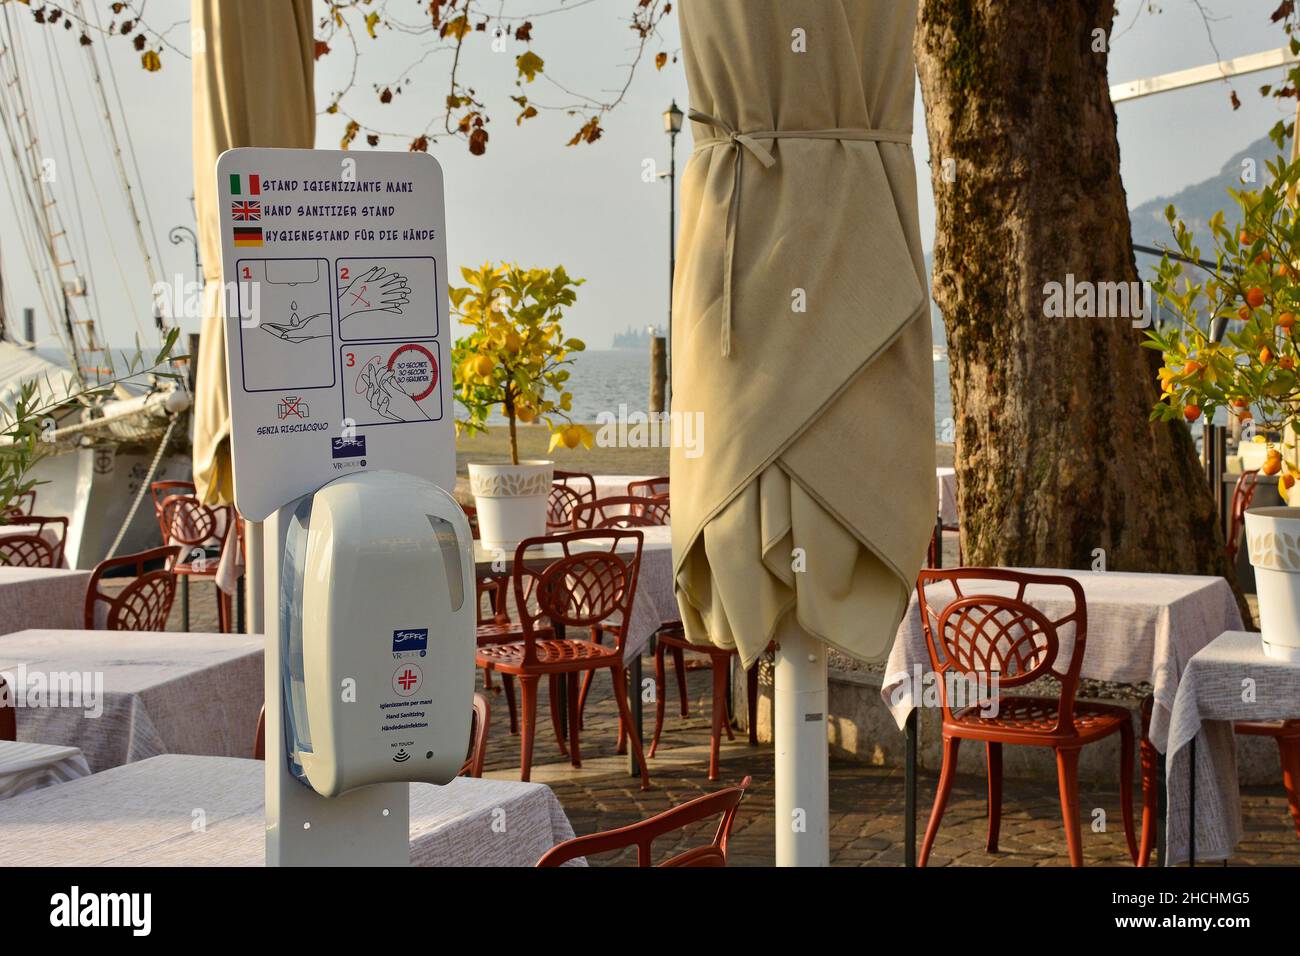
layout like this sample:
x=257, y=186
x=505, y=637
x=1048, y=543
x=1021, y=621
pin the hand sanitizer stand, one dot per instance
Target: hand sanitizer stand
x=334, y=266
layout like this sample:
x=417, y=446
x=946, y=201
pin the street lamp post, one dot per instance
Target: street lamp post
x=672, y=126
x=179, y=234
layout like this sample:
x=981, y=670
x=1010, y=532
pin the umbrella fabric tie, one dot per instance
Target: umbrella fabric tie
x=741, y=142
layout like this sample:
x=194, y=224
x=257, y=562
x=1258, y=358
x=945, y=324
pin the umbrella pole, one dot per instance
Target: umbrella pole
x=799, y=728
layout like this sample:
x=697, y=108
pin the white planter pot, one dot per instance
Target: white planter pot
x=1273, y=541
x=511, y=501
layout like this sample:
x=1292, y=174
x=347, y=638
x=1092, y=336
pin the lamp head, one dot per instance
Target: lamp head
x=673, y=119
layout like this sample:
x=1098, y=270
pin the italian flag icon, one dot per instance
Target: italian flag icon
x=245, y=185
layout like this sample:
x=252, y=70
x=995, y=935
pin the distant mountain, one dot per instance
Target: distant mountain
x=1197, y=203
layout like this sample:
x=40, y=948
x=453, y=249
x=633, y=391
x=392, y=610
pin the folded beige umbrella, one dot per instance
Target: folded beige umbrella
x=253, y=67
x=801, y=327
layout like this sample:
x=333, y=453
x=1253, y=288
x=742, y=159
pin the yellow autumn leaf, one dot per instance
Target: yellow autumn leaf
x=151, y=61
x=372, y=20
x=529, y=65
x=556, y=439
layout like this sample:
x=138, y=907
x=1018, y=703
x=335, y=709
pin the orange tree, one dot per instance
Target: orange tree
x=1252, y=371
x=516, y=356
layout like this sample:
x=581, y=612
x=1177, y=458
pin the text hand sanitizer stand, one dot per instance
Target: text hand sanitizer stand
x=335, y=287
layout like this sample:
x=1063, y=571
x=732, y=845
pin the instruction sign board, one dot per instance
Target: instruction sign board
x=334, y=267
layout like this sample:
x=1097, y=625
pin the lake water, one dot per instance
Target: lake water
x=602, y=380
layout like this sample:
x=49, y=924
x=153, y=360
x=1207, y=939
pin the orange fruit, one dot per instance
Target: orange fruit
x=1255, y=297
x=1286, y=362
x=1244, y=314
x=1272, y=463
x=1286, y=320
x=1265, y=355
x=1191, y=413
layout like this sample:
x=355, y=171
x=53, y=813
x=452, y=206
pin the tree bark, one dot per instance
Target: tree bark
x=1055, y=455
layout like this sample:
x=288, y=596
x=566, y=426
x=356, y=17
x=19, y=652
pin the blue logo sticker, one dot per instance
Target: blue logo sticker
x=410, y=639
x=348, y=447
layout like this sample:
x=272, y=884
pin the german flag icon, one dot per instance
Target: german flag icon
x=248, y=235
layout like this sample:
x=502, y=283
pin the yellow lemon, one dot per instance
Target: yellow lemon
x=483, y=365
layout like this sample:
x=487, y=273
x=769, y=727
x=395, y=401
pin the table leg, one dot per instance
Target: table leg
x=938, y=540
x=185, y=602
x=239, y=606
x=634, y=700
x=909, y=791
x=1191, y=803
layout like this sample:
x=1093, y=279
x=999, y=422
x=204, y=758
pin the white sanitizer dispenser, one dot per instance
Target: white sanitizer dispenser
x=377, y=627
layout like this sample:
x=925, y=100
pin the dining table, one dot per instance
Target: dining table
x=1230, y=679
x=41, y=597
x=1142, y=628
x=654, y=603
x=124, y=696
x=26, y=766
x=186, y=810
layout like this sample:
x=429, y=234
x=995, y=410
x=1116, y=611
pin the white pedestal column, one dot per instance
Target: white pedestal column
x=799, y=728
x=254, y=557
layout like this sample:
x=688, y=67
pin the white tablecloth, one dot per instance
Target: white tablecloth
x=25, y=766
x=179, y=810
x=1228, y=680
x=947, y=479
x=655, y=600
x=1141, y=627
x=161, y=693
x=41, y=597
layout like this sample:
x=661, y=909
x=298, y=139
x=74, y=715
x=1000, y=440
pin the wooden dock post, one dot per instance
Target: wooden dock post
x=658, y=373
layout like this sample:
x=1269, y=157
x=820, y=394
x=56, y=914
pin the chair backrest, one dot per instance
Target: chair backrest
x=643, y=834
x=186, y=521
x=20, y=505
x=592, y=583
x=622, y=511
x=8, y=713
x=984, y=635
x=561, y=503
x=1243, y=493
x=471, y=515
x=145, y=602
x=581, y=482
x=474, y=757
x=28, y=551
x=160, y=491
x=478, y=737
x=648, y=487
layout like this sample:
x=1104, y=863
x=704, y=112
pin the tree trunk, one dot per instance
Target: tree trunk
x=1055, y=455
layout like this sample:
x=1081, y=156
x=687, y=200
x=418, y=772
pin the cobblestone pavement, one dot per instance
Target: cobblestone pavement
x=866, y=802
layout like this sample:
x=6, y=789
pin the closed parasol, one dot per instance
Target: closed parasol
x=253, y=70
x=802, y=341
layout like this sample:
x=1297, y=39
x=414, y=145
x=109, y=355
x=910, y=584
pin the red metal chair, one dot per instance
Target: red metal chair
x=1149, y=758
x=977, y=635
x=33, y=549
x=160, y=491
x=591, y=586
x=648, y=487
x=8, y=713
x=145, y=603
x=569, y=489
x=474, y=756
x=1243, y=493
x=671, y=637
x=622, y=511
x=643, y=834
x=20, y=505
x=187, y=522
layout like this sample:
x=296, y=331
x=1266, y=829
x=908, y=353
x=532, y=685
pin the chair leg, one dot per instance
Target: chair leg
x=660, y=649
x=946, y=775
x=1148, y=756
x=1289, y=751
x=508, y=682
x=1126, y=787
x=719, y=711
x=575, y=756
x=725, y=666
x=1067, y=773
x=751, y=698
x=529, y=687
x=679, y=666
x=596, y=636
x=993, y=760
x=620, y=695
x=553, y=698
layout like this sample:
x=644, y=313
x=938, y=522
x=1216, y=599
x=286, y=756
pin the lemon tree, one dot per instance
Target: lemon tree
x=515, y=356
x=1252, y=372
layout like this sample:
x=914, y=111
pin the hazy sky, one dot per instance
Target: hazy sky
x=531, y=198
